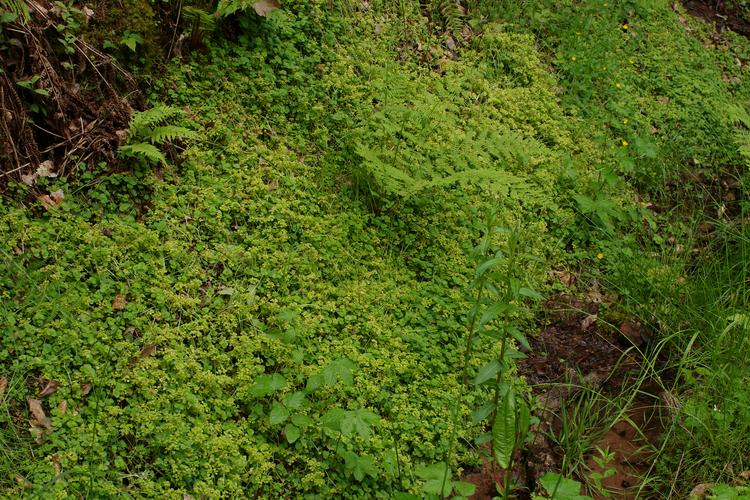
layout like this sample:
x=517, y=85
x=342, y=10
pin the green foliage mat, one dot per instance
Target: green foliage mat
x=280, y=320
x=280, y=314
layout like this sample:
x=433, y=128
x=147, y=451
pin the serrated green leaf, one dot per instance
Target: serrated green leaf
x=314, y=382
x=294, y=400
x=266, y=385
x=341, y=369
x=279, y=413
x=560, y=488
x=465, y=489
x=160, y=135
x=302, y=421
x=332, y=419
x=359, y=421
x=437, y=479
x=291, y=432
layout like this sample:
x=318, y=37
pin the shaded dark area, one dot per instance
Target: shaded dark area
x=64, y=102
x=726, y=14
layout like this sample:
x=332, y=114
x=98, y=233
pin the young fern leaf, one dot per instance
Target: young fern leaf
x=141, y=122
x=143, y=150
x=452, y=15
x=167, y=133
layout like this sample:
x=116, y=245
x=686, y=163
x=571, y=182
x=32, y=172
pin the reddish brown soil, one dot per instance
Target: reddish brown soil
x=575, y=348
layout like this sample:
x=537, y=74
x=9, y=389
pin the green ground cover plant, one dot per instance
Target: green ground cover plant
x=307, y=299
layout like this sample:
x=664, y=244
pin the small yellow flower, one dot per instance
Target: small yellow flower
x=618, y=85
x=573, y=58
x=625, y=121
x=631, y=60
x=624, y=143
x=625, y=26
x=600, y=256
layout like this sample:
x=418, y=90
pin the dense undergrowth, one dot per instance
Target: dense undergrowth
x=282, y=312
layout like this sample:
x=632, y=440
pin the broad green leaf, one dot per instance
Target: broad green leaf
x=400, y=495
x=504, y=430
x=301, y=421
x=483, y=438
x=291, y=432
x=489, y=264
x=279, y=413
x=314, y=382
x=532, y=294
x=494, y=310
x=487, y=372
x=266, y=385
x=482, y=412
x=359, y=465
x=465, y=489
x=560, y=488
x=287, y=315
x=438, y=479
x=332, y=419
x=341, y=369
x=511, y=354
x=524, y=420
x=520, y=337
x=359, y=421
x=294, y=400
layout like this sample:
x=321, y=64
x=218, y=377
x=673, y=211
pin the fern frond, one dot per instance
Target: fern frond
x=160, y=135
x=143, y=120
x=206, y=21
x=493, y=180
x=143, y=151
x=228, y=7
x=452, y=15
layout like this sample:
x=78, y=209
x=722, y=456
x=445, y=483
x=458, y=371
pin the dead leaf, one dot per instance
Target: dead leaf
x=49, y=388
x=564, y=277
x=264, y=7
x=52, y=200
x=3, y=386
x=63, y=406
x=589, y=321
x=56, y=463
x=148, y=350
x=119, y=303
x=23, y=482
x=85, y=389
x=46, y=169
x=40, y=418
x=88, y=13
x=664, y=100
x=701, y=490
x=633, y=331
